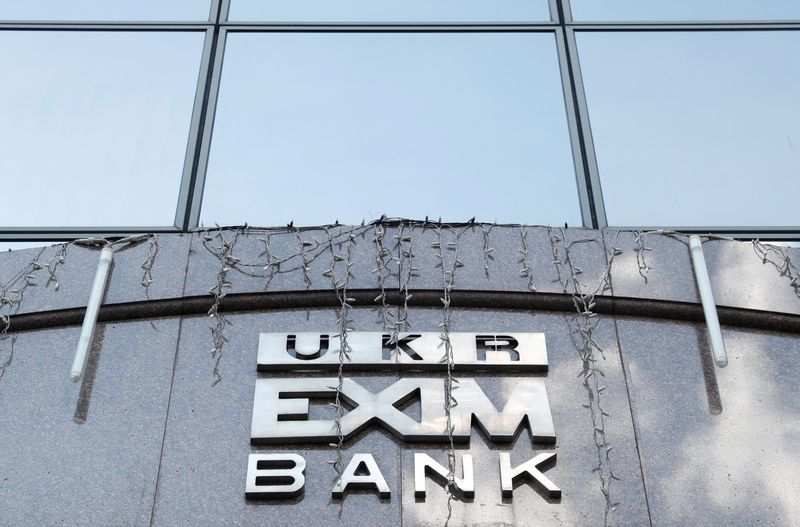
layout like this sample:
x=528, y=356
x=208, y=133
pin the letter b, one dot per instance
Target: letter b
x=275, y=476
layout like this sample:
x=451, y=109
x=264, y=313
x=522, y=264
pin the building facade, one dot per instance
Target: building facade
x=336, y=371
x=161, y=428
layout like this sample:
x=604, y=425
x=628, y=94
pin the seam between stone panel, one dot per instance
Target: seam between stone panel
x=171, y=385
x=628, y=388
x=400, y=477
x=634, y=421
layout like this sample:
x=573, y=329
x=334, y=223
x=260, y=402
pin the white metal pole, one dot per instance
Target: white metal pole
x=92, y=309
x=707, y=299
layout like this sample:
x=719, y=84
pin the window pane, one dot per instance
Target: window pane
x=139, y=10
x=699, y=128
x=319, y=126
x=684, y=10
x=390, y=10
x=94, y=125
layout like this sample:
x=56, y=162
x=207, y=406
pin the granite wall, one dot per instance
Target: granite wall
x=648, y=430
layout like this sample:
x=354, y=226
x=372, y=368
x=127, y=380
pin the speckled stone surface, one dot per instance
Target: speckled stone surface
x=740, y=277
x=724, y=458
x=495, y=259
x=76, y=274
x=657, y=267
x=291, y=252
x=207, y=440
x=70, y=455
x=576, y=468
x=738, y=467
x=519, y=258
x=16, y=265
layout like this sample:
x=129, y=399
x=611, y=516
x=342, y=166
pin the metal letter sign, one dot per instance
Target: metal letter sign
x=518, y=352
x=280, y=413
x=372, y=478
x=281, y=405
x=423, y=463
x=531, y=468
x=275, y=475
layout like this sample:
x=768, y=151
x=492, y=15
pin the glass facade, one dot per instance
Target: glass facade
x=165, y=116
x=717, y=130
x=95, y=125
x=106, y=10
x=351, y=126
x=684, y=10
x=390, y=11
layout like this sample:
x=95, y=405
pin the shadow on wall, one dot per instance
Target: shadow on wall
x=740, y=276
x=736, y=468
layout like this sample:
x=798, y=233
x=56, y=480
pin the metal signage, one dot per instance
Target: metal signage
x=281, y=405
x=281, y=414
x=519, y=352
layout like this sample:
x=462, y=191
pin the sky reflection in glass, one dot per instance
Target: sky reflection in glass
x=695, y=128
x=94, y=126
x=684, y=10
x=105, y=10
x=316, y=127
x=390, y=10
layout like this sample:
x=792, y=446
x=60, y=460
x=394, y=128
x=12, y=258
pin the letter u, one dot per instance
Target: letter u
x=307, y=346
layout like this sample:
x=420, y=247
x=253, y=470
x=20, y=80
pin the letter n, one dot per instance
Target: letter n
x=423, y=463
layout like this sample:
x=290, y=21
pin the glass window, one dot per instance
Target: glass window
x=695, y=128
x=320, y=126
x=684, y=10
x=94, y=125
x=117, y=10
x=390, y=10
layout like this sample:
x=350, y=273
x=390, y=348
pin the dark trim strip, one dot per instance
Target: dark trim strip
x=244, y=302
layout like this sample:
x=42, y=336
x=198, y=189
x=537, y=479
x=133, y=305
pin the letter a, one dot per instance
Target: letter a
x=372, y=478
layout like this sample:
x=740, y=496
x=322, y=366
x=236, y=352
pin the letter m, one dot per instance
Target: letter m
x=527, y=405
